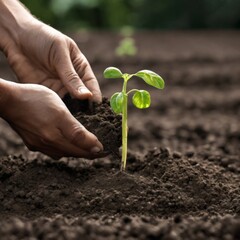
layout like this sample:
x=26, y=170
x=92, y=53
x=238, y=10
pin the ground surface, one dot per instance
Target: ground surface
x=183, y=178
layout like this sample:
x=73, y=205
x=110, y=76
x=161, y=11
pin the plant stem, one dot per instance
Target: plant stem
x=133, y=90
x=124, y=126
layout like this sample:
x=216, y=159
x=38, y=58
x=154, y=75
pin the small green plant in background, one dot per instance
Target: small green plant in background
x=127, y=45
x=141, y=99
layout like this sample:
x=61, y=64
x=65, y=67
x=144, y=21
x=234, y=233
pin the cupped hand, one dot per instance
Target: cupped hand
x=42, y=55
x=40, y=117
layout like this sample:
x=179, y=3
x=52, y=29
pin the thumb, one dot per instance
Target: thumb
x=79, y=136
x=71, y=79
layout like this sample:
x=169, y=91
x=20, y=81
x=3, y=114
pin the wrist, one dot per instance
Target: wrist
x=14, y=18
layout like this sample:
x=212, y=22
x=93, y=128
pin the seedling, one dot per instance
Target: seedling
x=127, y=47
x=141, y=99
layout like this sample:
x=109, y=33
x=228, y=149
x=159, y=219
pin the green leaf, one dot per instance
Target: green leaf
x=116, y=102
x=151, y=78
x=141, y=99
x=112, y=72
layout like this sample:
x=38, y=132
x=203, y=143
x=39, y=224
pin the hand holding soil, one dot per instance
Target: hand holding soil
x=48, y=127
x=39, y=54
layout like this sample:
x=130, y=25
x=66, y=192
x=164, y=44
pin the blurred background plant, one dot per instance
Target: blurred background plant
x=72, y=15
x=127, y=45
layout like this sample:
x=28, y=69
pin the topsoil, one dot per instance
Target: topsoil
x=183, y=171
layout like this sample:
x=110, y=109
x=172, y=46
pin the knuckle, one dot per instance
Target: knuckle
x=84, y=66
x=48, y=138
x=71, y=74
x=62, y=112
x=72, y=77
x=13, y=59
x=72, y=45
x=78, y=134
x=59, y=41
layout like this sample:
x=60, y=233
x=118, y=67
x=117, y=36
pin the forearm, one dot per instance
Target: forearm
x=13, y=18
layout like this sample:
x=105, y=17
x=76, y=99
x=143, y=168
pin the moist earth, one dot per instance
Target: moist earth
x=98, y=119
x=183, y=171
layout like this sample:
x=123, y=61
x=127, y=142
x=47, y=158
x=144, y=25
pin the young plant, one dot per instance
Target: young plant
x=141, y=99
x=127, y=47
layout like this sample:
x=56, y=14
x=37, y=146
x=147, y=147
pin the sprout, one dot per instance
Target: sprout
x=127, y=47
x=141, y=99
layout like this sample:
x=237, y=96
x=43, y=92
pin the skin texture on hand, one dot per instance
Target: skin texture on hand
x=45, y=124
x=40, y=54
x=47, y=57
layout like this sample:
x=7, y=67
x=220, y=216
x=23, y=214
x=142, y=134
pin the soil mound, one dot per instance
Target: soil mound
x=159, y=184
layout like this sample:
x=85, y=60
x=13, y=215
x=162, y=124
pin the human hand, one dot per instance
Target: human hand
x=42, y=55
x=44, y=123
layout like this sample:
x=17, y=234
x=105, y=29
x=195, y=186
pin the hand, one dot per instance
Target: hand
x=40, y=117
x=42, y=55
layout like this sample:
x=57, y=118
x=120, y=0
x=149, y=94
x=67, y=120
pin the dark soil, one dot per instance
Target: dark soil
x=100, y=120
x=183, y=172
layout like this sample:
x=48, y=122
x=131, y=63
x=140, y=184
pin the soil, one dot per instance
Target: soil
x=100, y=120
x=183, y=171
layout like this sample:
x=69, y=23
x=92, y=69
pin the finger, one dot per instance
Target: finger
x=70, y=78
x=56, y=85
x=51, y=152
x=62, y=148
x=66, y=149
x=56, y=147
x=23, y=67
x=85, y=72
x=62, y=92
x=78, y=135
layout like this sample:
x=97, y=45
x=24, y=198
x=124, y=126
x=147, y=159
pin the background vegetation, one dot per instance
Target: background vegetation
x=147, y=14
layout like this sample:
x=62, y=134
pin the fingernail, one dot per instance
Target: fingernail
x=96, y=149
x=83, y=90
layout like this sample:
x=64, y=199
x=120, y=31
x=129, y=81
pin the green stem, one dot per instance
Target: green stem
x=133, y=90
x=124, y=126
